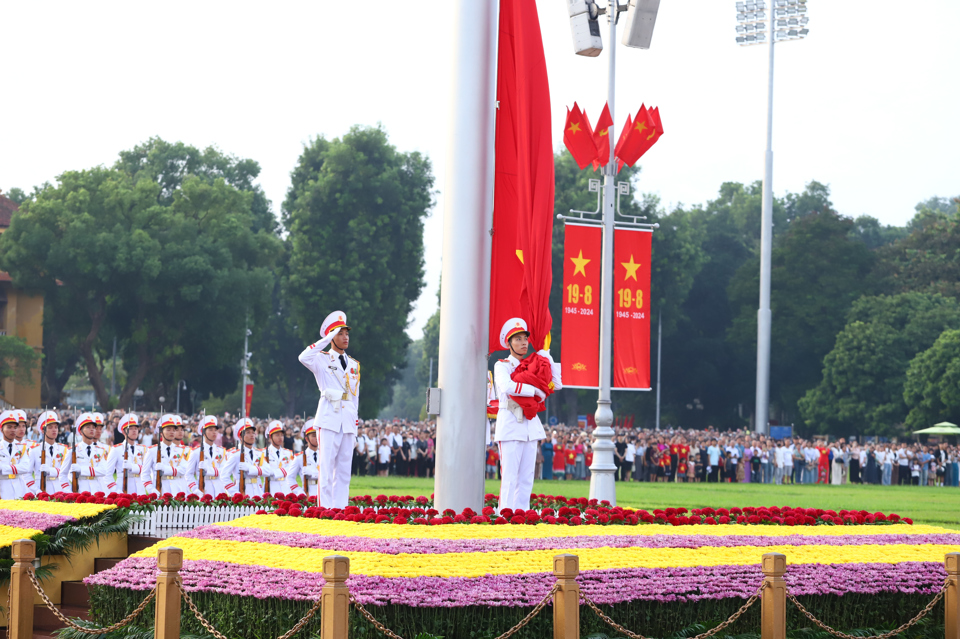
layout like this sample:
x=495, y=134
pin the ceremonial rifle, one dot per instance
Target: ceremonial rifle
x=159, y=473
x=43, y=460
x=126, y=448
x=203, y=439
x=243, y=475
x=73, y=463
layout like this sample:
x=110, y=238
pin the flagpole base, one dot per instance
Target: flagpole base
x=602, y=471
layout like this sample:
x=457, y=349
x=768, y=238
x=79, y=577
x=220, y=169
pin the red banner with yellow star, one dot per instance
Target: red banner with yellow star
x=631, y=309
x=580, y=344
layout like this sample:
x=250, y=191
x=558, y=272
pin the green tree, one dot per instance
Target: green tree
x=932, y=389
x=172, y=278
x=18, y=360
x=862, y=389
x=354, y=213
x=17, y=195
x=817, y=273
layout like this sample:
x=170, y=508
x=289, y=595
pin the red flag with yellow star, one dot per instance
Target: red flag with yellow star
x=642, y=134
x=631, y=308
x=601, y=137
x=580, y=308
x=578, y=137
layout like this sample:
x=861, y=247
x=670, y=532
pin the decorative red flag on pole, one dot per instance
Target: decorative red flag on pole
x=631, y=304
x=578, y=137
x=521, y=271
x=580, y=348
x=642, y=134
x=601, y=137
x=247, y=398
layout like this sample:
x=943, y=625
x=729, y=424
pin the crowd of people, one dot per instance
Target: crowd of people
x=407, y=448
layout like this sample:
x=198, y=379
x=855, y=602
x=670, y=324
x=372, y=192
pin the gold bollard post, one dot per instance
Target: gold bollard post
x=951, y=598
x=566, y=601
x=167, y=618
x=773, y=599
x=335, y=605
x=20, y=615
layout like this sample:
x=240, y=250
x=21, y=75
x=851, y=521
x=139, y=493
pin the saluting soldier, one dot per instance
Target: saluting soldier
x=127, y=458
x=47, y=459
x=302, y=471
x=214, y=467
x=168, y=465
x=517, y=436
x=12, y=462
x=253, y=467
x=90, y=466
x=277, y=456
x=338, y=378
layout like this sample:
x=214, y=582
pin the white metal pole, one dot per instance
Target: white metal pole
x=602, y=480
x=659, y=358
x=465, y=283
x=762, y=414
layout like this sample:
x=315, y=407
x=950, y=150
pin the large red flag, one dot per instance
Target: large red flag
x=578, y=137
x=601, y=137
x=521, y=271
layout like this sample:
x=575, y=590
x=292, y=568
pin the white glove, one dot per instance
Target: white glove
x=166, y=470
x=332, y=395
x=311, y=473
x=49, y=470
x=539, y=393
x=130, y=465
x=249, y=468
x=545, y=353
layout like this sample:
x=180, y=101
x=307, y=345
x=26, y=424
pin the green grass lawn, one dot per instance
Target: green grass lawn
x=925, y=505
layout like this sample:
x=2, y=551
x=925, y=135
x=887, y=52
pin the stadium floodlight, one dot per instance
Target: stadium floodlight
x=641, y=18
x=782, y=23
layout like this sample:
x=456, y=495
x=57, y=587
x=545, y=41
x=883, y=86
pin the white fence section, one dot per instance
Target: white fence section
x=167, y=521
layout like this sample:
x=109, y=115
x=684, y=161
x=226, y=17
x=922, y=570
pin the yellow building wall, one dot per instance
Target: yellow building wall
x=24, y=320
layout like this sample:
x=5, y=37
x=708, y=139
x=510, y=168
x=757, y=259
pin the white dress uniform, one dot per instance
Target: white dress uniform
x=167, y=460
x=338, y=378
x=276, y=458
x=46, y=458
x=127, y=459
x=13, y=463
x=517, y=436
x=93, y=474
x=253, y=467
x=214, y=467
x=300, y=473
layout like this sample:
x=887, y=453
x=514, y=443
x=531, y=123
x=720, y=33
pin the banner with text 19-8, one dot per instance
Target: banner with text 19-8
x=631, y=309
x=580, y=346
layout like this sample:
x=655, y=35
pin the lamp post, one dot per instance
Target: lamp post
x=787, y=20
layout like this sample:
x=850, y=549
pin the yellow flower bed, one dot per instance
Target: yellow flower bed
x=478, y=564
x=55, y=508
x=328, y=527
x=9, y=534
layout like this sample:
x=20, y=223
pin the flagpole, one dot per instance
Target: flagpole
x=602, y=479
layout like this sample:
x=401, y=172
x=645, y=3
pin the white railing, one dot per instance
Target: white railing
x=167, y=521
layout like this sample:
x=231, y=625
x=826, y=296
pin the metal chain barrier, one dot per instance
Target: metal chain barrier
x=887, y=635
x=709, y=633
x=213, y=631
x=90, y=631
x=509, y=633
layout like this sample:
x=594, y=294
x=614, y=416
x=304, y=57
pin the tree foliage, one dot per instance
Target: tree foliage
x=18, y=360
x=932, y=389
x=354, y=213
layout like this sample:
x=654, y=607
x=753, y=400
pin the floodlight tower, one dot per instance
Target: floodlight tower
x=638, y=32
x=787, y=20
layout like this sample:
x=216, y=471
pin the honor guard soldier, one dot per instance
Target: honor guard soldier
x=21, y=433
x=161, y=463
x=20, y=437
x=99, y=420
x=247, y=462
x=209, y=463
x=277, y=455
x=338, y=378
x=12, y=463
x=517, y=436
x=47, y=458
x=86, y=463
x=186, y=481
x=127, y=458
x=301, y=472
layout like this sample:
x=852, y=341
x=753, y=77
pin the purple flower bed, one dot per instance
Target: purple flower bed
x=435, y=546
x=36, y=521
x=603, y=586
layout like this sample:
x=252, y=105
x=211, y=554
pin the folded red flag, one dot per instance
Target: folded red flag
x=601, y=137
x=536, y=371
x=578, y=137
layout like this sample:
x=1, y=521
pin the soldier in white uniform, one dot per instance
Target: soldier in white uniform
x=47, y=459
x=301, y=472
x=167, y=468
x=213, y=467
x=127, y=458
x=253, y=468
x=276, y=455
x=338, y=378
x=186, y=481
x=27, y=479
x=517, y=436
x=89, y=471
x=12, y=462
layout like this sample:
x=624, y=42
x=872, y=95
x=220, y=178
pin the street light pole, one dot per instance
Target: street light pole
x=602, y=479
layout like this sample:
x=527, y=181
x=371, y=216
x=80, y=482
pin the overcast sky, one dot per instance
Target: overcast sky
x=868, y=103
